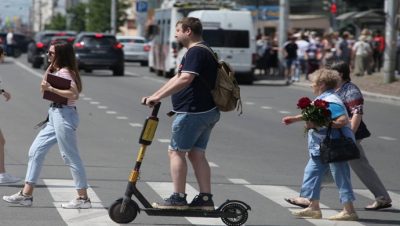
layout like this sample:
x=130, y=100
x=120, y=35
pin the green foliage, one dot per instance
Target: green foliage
x=77, y=16
x=99, y=15
x=58, y=22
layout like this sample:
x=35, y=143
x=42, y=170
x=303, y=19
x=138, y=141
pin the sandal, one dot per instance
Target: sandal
x=293, y=202
x=378, y=205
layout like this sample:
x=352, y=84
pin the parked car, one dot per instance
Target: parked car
x=99, y=51
x=21, y=43
x=56, y=39
x=136, y=49
x=37, y=49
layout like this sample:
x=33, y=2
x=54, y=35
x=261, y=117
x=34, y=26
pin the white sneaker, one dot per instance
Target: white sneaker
x=6, y=178
x=78, y=203
x=19, y=198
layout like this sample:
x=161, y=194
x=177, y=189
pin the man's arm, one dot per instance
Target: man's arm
x=175, y=84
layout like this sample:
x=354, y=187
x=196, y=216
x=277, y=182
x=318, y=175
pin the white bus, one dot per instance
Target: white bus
x=229, y=33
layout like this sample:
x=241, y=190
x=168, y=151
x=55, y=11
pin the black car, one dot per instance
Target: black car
x=38, y=47
x=99, y=51
x=21, y=43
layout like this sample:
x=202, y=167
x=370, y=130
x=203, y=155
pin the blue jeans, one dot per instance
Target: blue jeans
x=315, y=171
x=61, y=129
x=192, y=130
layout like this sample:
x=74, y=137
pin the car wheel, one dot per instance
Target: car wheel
x=88, y=70
x=118, y=71
x=144, y=63
x=36, y=63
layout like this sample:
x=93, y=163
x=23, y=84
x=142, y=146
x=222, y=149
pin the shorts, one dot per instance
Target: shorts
x=192, y=130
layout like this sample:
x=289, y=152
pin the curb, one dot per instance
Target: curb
x=377, y=97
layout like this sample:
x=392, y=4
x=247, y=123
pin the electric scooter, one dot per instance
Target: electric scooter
x=125, y=210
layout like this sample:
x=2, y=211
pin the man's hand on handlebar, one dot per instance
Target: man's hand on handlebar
x=150, y=101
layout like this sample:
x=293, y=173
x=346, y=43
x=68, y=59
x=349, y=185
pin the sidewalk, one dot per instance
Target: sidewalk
x=372, y=87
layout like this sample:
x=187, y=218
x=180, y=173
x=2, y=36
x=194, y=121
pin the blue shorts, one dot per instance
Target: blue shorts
x=192, y=130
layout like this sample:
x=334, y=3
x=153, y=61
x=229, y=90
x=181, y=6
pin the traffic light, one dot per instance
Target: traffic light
x=333, y=8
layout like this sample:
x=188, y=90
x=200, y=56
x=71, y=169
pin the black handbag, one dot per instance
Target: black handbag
x=338, y=149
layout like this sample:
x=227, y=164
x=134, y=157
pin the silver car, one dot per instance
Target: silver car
x=136, y=49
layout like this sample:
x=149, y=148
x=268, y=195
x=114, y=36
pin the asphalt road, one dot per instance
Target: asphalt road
x=254, y=158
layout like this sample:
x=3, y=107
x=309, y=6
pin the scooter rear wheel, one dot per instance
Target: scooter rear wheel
x=239, y=210
x=127, y=215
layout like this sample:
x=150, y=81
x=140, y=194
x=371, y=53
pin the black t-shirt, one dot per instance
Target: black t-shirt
x=291, y=49
x=196, y=97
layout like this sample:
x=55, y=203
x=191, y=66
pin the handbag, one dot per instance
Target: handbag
x=338, y=149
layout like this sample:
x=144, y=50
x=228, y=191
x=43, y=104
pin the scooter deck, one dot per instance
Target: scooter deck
x=187, y=213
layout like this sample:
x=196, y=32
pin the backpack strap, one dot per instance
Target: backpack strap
x=215, y=58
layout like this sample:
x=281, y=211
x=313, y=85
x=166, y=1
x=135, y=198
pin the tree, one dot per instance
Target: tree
x=77, y=16
x=99, y=15
x=58, y=22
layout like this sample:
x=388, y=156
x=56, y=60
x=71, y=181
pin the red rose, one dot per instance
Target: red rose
x=303, y=103
x=321, y=104
x=326, y=112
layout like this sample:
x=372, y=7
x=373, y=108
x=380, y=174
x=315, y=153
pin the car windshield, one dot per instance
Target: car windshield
x=227, y=38
x=90, y=41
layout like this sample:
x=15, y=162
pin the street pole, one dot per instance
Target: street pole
x=391, y=7
x=113, y=16
x=283, y=29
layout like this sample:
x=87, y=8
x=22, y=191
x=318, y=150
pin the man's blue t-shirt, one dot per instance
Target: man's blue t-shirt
x=199, y=62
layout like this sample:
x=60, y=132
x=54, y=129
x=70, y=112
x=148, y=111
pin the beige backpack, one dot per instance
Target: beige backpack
x=226, y=93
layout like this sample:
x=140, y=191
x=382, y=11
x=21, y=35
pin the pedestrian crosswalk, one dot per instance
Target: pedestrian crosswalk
x=63, y=190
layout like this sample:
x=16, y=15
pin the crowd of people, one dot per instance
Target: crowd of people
x=305, y=52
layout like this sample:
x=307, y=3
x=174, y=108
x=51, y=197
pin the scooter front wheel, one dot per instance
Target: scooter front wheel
x=123, y=216
x=236, y=209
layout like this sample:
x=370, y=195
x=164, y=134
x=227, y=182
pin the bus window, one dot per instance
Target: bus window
x=227, y=38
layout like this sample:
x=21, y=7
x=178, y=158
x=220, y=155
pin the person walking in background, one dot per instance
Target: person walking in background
x=290, y=53
x=196, y=115
x=361, y=54
x=60, y=128
x=301, y=64
x=324, y=82
x=378, y=48
x=344, y=48
x=10, y=43
x=4, y=176
x=313, y=56
x=353, y=99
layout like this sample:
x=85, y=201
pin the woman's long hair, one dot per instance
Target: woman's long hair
x=65, y=58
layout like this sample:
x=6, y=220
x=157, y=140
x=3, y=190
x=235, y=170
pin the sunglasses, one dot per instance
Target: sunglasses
x=50, y=53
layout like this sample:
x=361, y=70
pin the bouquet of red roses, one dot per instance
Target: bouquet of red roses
x=315, y=111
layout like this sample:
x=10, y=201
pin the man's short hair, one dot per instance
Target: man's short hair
x=193, y=23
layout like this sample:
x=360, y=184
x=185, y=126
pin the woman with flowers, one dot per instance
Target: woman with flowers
x=326, y=108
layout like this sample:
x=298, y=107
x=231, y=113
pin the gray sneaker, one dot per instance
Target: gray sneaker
x=6, y=178
x=19, y=198
x=78, y=203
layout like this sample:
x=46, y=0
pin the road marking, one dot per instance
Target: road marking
x=164, y=140
x=37, y=74
x=63, y=191
x=212, y=164
x=366, y=193
x=154, y=79
x=387, y=138
x=249, y=103
x=165, y=189
x=121, y=117
x=102, y=107
x=87, y=98
x=94, y=102
x=266, y=107
x=277, y=194
x=284, y=112
x=135, y=124
x=111, y=112
x=238, y=181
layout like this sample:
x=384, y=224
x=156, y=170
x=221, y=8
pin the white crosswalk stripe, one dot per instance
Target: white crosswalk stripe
x=63, y=191
x=278, y=193
x=165, y=189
